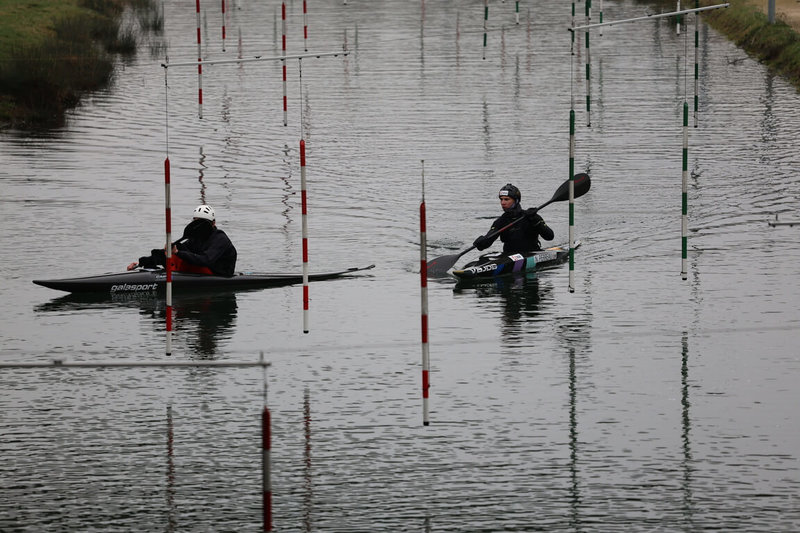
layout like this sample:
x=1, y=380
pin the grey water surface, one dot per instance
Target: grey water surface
x=638, y=402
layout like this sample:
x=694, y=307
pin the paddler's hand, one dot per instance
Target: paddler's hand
x=531, y=212
x=481, y=243
x=174, y=249
x=133, y=265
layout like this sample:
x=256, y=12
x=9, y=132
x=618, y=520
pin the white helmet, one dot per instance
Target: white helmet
x=204, y=211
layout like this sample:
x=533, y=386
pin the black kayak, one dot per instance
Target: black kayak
x=492, y=265
x=155, y=280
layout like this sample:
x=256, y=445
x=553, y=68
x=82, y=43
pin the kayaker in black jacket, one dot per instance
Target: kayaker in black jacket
x=203, y=249
x=522, y=236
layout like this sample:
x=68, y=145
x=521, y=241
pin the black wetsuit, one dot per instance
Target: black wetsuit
x=216, y=252
x=206, y=247
x=522, y=236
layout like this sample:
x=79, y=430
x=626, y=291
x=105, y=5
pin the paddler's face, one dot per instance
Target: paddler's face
x=506, y=202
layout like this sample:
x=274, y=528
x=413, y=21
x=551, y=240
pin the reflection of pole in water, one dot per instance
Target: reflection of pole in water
x=502, y=48
x=686, y=424
x=200, y=175
x=458, y=36
x=573, y=444
x=307, y=454
x=287, y=189
x=528, y=41
x=423, y=272
x=266, y=446
x=171, y=509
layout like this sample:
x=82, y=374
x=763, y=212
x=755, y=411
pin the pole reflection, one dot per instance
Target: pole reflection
x=686, y=425
x=172, y=510
x=308, y=484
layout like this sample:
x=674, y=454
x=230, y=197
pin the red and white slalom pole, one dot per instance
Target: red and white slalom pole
x=304, y=211
x=305, y=27
x=168, y=216
x=199, y=66
x=223, y=25
x=283, y=48
x=423, y=276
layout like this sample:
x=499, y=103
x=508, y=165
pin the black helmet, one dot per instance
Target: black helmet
x=510, y=191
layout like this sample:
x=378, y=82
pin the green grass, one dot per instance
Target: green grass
x=775, y=45
x=52, y=51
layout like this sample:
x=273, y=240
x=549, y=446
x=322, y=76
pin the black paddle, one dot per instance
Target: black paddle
x=582, y=183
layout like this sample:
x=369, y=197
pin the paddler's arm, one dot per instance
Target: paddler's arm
x=538, y=224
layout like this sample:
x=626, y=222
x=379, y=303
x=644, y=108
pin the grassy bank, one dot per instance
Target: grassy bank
x=775, y=45
x=52, y=51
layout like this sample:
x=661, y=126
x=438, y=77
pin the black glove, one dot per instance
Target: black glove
x=534, y=219
x=481, y=243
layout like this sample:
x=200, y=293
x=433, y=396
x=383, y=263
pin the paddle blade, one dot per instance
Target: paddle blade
x=438, y=267
x=582, y=185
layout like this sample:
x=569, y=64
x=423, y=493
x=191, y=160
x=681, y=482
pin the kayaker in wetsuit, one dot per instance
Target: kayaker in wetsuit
x=522, y=236
x=203, y=249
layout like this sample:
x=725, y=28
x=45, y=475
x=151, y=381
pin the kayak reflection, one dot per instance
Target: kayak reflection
x=202, y=320
x=519, y=295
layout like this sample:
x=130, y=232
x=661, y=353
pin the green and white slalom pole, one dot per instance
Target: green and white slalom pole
x=588, y=67
x=601, y=17
x=696, y=64
x=516, y=11
x=684, y=192
x=571, y=158
x=572, y=200
x=573, y=23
